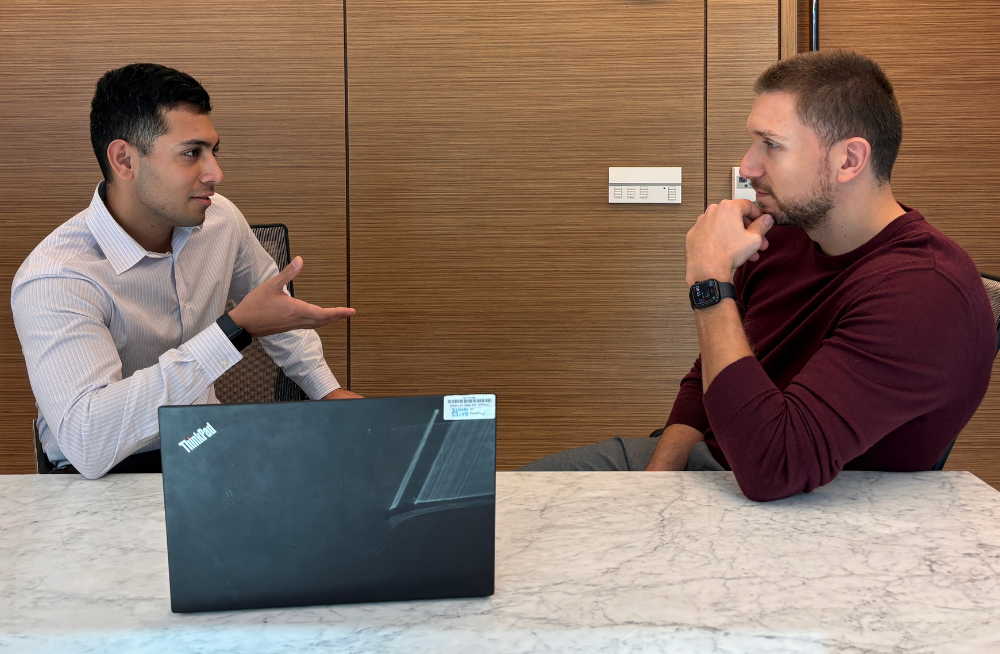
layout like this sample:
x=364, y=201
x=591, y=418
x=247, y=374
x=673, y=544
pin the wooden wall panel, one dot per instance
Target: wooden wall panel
x=276, y=76
x=804, y=20
x=788, y=26
x=738, y=51
x=484, y=254
x=942, y=60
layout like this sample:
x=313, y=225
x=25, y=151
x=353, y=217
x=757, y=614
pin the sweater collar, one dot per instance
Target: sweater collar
x=841, y=261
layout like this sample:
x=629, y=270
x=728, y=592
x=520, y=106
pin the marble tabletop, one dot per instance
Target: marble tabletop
x=586, y=562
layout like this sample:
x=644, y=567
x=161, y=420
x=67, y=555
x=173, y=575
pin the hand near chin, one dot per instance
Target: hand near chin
x=268, y=310
x=725, y=237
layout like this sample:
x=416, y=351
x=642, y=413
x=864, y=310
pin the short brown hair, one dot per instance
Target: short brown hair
x=841, y=95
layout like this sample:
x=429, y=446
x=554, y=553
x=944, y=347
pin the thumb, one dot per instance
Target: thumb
x=290, y=271
x=761, y=226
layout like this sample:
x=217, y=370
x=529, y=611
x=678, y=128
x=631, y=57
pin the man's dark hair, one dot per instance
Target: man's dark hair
x=841, y=95
x=129, y=103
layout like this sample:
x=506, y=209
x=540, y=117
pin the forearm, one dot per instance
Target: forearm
x=98, y=420
x=300, y=355
x=674, y=448
x=725, y=237
x=721, y=338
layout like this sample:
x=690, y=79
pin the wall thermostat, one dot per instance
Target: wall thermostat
x=650, y=185
x=742, y=188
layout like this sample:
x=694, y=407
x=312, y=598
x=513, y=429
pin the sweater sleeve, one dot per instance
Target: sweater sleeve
x=689, y=409
x=904, y=348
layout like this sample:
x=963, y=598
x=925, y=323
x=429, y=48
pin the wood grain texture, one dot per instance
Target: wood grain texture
x=942, y=60
x=788, y=28
x=804, y=21
x=742, y=42
x=484, y=254
x=276, y=77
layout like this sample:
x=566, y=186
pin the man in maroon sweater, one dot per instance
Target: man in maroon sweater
x=851, y=335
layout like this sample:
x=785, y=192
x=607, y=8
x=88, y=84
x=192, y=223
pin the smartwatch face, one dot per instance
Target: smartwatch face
x=705, y=294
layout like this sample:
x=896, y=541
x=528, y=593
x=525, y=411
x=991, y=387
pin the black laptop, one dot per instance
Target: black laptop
x=301, y=503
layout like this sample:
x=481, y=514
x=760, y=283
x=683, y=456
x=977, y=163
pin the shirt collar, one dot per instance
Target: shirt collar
x=120, y=249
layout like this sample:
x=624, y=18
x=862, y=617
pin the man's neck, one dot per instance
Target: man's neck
x=134, y=219
x=856, y=220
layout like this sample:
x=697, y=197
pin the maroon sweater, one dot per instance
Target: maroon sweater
x=871, y=360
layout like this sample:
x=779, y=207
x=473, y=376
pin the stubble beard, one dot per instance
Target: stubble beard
x=156, y=201
x=811, y=213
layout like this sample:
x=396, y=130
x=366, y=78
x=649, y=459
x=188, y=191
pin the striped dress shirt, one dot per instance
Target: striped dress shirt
x=111, y=332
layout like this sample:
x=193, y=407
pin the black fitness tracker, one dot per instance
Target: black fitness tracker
x=236, y=334
x=710, y=292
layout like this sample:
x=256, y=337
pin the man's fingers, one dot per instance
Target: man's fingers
x=290, y=271
x=314, y=316
x=748, y=208
x=761, y=227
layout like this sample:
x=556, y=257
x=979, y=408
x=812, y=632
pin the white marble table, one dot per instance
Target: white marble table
x=586, y=562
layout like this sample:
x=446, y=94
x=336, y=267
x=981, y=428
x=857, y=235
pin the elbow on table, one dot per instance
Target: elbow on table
x=92, y=471
x=767, y=493
x=90, y=464
x=92, y=457
x=765, y=486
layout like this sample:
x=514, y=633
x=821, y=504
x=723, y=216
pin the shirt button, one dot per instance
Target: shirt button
x=225, y=363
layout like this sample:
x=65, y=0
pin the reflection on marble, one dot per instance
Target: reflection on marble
x=586, y=562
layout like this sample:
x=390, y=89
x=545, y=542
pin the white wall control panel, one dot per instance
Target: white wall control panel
x=742, y=188
x=644, y=185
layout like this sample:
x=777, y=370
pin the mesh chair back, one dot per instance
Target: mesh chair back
x=257, y=378
x=993, y=290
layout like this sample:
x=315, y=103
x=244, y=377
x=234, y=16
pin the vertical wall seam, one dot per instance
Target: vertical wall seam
x=347, y=196
x=781, y=19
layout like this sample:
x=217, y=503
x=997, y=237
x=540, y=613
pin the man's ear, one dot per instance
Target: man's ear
x=853, y=157
x=124, y=159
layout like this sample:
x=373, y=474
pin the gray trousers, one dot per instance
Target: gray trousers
x=618, y=454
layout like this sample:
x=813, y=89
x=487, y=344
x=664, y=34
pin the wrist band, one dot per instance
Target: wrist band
x=236, y=334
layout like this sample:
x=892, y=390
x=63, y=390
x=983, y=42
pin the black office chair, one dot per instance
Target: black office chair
x=992, y=285
x=257, y=378
x=42, y=464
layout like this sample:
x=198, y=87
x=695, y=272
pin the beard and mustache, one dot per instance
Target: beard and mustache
x=810, y=213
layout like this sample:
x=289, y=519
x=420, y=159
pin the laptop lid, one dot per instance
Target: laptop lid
x=300, y=503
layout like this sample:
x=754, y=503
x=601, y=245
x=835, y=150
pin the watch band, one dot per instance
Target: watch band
x=726, y=290
x=236, y=334
x=709, y=293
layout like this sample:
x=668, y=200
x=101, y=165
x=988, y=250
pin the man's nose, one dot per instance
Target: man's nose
x=751, y=167
x=213, y=173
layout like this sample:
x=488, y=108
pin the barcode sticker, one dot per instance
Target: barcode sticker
x=470, y=407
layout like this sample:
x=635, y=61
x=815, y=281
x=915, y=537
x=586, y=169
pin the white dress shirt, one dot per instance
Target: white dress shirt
x=111, y=332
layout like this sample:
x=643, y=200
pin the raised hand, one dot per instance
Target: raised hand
x=268, y=310
x=725, y=237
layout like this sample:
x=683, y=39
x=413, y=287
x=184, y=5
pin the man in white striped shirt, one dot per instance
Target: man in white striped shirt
x=121, y=309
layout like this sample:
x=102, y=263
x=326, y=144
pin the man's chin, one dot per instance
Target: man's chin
x=195, y=219
x=766, y=204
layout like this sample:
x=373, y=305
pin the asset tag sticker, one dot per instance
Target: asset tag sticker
x=470, y=407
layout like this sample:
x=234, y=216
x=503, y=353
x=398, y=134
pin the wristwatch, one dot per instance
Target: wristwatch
x=709, y=292
x=236, y=334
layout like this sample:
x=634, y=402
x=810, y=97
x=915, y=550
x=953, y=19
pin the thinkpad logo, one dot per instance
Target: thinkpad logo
x=198, y=437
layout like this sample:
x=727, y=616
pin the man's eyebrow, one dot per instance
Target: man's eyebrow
x=764, y=134
x=198, y=143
